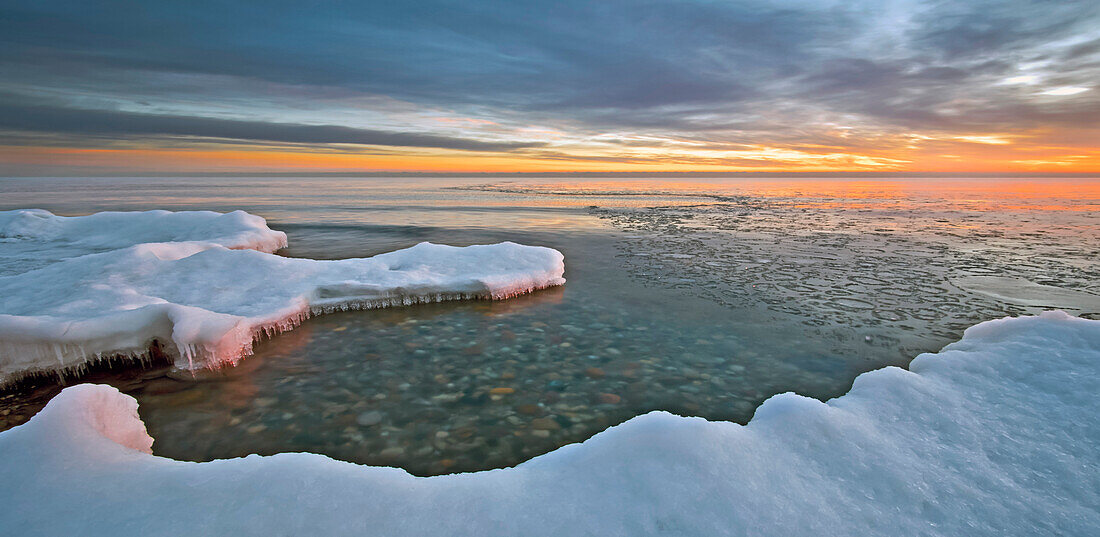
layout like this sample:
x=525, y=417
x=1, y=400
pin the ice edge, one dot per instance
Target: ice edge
x=56, y=344
x=199, y=355
x=967, y=441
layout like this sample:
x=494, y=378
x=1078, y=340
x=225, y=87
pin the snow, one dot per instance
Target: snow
x=997, y=434
x=205, y=301
x=33, y=238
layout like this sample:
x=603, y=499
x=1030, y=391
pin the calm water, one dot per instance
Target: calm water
x=698, y=297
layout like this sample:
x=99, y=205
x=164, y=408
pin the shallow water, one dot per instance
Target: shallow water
x=698, y=297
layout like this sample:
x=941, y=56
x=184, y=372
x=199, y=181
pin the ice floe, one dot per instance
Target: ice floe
x=1028, y=293
x=997, y=434
x=118, y=281
x=34, y=238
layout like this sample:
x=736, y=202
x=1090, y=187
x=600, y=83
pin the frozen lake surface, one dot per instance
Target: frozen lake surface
x=702, y=298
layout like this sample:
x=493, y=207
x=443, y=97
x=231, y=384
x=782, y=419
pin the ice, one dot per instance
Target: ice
x=914, y=271
x=1028, y=293
x=205, y=302
x=33, y=238
x=997, y=434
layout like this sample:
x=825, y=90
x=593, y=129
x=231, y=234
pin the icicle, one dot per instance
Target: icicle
x=213, y=354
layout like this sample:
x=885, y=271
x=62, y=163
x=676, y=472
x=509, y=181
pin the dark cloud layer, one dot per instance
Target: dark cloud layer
x=715, y=70
x=538, y=54
x=112, y=123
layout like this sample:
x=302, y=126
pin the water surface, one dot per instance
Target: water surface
x=701, y=297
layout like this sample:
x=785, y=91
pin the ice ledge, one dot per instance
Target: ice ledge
x=203, y=300
x=34, y=238
x=997, y=434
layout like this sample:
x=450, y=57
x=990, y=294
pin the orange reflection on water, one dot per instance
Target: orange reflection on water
x=985, y=193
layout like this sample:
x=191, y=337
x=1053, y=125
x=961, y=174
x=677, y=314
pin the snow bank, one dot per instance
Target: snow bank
x=998, y=434
x=34, y=238
x=208, y=303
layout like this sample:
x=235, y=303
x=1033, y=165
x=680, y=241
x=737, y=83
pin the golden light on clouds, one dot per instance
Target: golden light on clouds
x=839, y=150
x=1064, y=91
x=910, y=152
x=753, y=86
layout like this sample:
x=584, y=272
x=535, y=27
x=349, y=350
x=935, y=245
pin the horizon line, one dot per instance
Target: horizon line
x=594, y=174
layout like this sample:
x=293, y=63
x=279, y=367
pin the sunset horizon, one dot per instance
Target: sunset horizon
x=788, y=86
x=969, y=154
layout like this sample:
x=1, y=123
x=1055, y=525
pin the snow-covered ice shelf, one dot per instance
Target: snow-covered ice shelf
x=79, y=289
x=997, y=434
x=34, y=238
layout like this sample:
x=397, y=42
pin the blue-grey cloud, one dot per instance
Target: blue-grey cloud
x=532, y=54
x=99, y=123
x=721, y=71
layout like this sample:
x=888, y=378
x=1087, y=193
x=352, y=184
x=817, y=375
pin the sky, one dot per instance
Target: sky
x=566, y=86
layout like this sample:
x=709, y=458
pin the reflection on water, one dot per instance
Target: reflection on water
x=701, y=297
x=1043, y=193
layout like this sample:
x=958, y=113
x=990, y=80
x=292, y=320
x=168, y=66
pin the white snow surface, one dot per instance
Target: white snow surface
x=34, y=238
x=997, y=434
x=206, y=287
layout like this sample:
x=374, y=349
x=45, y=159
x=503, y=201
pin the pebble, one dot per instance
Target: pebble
x=369, y=418
x=594, y=372
x=502, y=391
x=545, y=424
x=392, y=452
x=529, y=410
x=608, y=399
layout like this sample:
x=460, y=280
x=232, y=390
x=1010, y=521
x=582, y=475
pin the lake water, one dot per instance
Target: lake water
x=700, y=297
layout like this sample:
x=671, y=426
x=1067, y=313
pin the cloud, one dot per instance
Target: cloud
x=532, y=55
x=46, y=119
x=752, y=72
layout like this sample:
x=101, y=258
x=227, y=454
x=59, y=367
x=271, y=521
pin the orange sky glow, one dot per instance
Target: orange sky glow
x=974, y=154
x=759, y=86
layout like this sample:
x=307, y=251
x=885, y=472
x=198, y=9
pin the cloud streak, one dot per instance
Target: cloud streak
x=560, y=78
x=56, y=120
